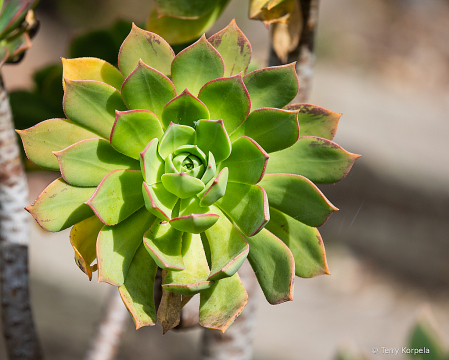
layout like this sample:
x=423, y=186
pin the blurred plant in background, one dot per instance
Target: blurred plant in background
x=17, y=26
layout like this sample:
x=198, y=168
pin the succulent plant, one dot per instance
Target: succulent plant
x=17, y=24
x=192, y=165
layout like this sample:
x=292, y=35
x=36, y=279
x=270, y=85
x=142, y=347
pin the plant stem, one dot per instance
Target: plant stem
x=304, y=51
x=105, y=344
x=18, y=327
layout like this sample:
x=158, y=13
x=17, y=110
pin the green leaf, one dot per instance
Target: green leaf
x=227, y=99
x=315, y=120
x=246, y=206
x=147, y=88
x=158, y=200
x=193, y=279
x=4, y=53
x=247, y=161
x=174, y=137
x=194, y=223
x=318, y=159
x=151, y=164
x=273, y=265
x=181, y=31
x=164, y=243
x=273, y=129
x=12, y=15
x=87, y=162
x=227, y=246
x=118, y=196
x=116, y=246
x=233, y=47
x=190, y=216
x=182, y=185
x=83, y=238
x=211, y=168
x=51, y=135
x=297, y=197
x=218, y=309
x=272, y=87
x=89, y=68
x=216, y=190
x=92, y=104
x=195, y=66
x=18, y=45
x=185, y=109
x=141, y=126
x=424, y=334
x=151, y=48
x=211, y=137
x=304, y=242
x=61, y=205
x=184, y=9
x=137, y=292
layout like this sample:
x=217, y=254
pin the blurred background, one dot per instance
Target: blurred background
x=385, y=66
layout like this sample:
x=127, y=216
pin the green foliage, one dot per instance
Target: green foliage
x=167, y=154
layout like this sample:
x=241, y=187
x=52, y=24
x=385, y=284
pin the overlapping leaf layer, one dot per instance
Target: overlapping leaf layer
x=163, y=163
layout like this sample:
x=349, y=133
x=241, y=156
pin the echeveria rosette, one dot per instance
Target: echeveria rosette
x=188, y=164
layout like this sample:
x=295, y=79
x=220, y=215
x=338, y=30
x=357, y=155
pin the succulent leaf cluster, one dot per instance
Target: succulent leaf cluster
x=17, y=23
x=189, y=164
x=181, y=21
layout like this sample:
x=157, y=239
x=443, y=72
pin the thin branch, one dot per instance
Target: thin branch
x=18, y=327
x=304, y=51
x=109, y=332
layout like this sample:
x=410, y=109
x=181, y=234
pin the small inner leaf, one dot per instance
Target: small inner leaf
x=184, y=109
x=211, y=137
x=174, y=137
